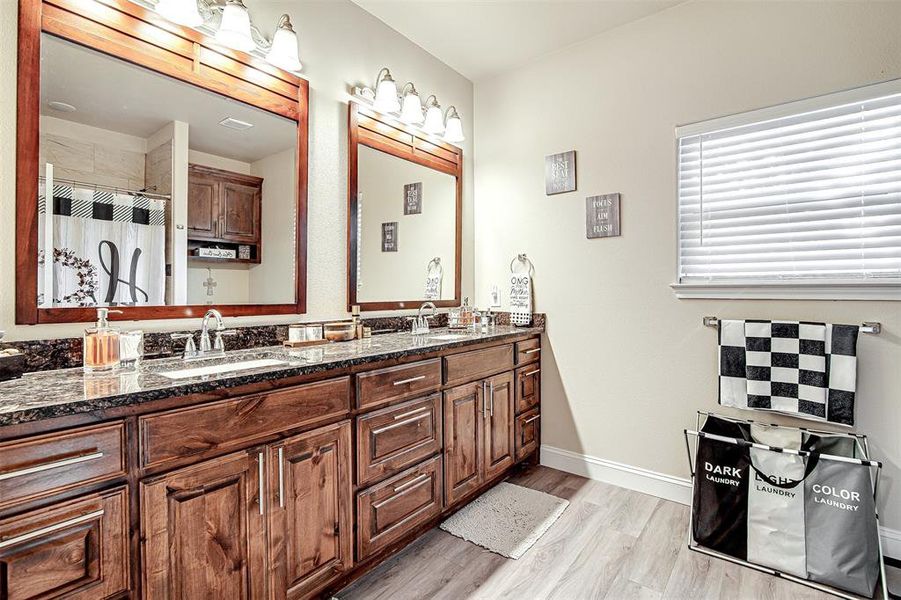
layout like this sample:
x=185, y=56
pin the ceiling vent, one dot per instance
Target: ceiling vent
x=235, y=124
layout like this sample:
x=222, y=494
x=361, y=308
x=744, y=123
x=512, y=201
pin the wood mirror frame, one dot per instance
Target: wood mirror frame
x=129, y=32
x=381, y=132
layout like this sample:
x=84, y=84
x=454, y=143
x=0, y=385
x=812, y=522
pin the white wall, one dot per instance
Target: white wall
x=341, y=45
x=626, y=363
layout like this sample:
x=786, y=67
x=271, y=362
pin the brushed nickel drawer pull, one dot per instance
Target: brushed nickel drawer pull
x=51, y=528
x=530, y=373
x=410, y=413
x=484, y=400
x=51, y=465
x=260, y=467
x=529, y=420
x=532, y=351
x=281, y=477
x=411, y=483
x=491, y=387
x=410, y=380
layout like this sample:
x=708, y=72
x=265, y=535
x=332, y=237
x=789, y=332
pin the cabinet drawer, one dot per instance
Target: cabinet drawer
x=238, y=422
x=528, y=351
x=40, y=466
x=459, y=368
x=391, y=509
x=528, y=388
x=528, y=433
x=75, y=549
x=396, y=437
x=393, y=383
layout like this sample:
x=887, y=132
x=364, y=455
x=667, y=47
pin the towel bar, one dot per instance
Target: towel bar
x=873, y=327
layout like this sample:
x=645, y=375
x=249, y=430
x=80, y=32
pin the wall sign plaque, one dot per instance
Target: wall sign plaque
x=560, y=173
x=389, y=237
x=413, y=198
x=602, y=216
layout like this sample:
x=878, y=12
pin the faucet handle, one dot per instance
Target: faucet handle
x=190, y=347
x=219, y=344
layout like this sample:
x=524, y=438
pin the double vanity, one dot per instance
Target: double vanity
x=285, y=480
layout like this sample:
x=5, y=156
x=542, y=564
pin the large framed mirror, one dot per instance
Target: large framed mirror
x=158, y=173
x=404, y=226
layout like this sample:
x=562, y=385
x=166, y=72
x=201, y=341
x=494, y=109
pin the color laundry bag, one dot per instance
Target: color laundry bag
x=842, y=534
x=720, y=503
x=776, y=502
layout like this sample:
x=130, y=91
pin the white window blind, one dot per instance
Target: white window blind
x=804, y=192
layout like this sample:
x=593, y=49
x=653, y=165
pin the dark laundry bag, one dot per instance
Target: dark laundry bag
x=842, y=534
x=720, y=502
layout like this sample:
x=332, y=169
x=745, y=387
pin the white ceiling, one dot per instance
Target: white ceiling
x=115, y=95
x=480, y=38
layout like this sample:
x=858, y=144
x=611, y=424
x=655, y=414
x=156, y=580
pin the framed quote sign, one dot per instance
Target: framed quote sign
x=389, y=237
x=560, y=173
x=602, y=216
x=413, y=198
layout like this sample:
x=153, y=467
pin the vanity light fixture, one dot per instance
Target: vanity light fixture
x=234, y=28
x=183, y=12
x=434, y=121
x=283, y=52
x=411, y=112
x=386, y=92
x=453, y=126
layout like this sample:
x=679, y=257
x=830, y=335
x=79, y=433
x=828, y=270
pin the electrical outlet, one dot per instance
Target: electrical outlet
x=495, y=296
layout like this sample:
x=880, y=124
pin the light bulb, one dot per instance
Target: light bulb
x=386, y=93
x=183, y=12
x=454, y=127
x=283, y=53
x=434, y=121
x=234, y=29
x=412, y=109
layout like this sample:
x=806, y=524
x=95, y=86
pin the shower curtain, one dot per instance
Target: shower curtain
x=108, y=248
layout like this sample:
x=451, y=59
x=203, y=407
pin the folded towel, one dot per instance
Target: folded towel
x=804, y=369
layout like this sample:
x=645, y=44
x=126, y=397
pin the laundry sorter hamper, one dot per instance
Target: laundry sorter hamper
x=792, y=502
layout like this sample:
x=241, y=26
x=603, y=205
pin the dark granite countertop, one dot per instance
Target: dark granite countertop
x=64, y=392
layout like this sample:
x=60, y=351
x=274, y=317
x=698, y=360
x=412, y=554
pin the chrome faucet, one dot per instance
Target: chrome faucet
x=207, y=348
x=420, y=321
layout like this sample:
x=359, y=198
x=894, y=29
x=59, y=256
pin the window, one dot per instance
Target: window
x=798, y=200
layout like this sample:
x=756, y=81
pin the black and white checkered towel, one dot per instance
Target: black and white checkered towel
x=805, y=369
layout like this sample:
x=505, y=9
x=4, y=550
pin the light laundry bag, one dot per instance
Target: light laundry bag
x=776, y=502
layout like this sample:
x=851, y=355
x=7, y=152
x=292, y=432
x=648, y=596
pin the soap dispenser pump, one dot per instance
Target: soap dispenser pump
x=101, y=344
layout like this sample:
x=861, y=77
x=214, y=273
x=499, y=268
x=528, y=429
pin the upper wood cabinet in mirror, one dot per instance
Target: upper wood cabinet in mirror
x=405, y=205
x=168, y=139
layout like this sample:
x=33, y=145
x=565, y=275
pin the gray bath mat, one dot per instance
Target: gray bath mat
x=507, y=519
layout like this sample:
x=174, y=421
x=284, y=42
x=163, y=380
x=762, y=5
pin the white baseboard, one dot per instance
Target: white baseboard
x=668, y=487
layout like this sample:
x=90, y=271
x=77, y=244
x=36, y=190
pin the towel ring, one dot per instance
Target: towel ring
x=525, y=260
x=437, y=262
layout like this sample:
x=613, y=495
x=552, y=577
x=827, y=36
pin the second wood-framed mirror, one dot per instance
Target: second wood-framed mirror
x=405, y=205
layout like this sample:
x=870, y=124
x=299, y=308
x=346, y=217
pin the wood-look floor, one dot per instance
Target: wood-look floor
x=609, y=543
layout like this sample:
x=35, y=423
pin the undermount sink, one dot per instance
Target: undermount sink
x=223, y=368
x=446, y=337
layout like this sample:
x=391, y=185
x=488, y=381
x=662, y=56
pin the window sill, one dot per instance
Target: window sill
x=788, y=291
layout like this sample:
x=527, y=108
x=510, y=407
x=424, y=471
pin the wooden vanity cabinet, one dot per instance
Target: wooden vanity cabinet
x=224, y=206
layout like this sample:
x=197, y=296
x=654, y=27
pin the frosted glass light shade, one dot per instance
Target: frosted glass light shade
x=385, y=92
x=412, y=109
x=234, y=29
x=283, y=53
x=183, y=12
x=454, y=129
x=434, y=121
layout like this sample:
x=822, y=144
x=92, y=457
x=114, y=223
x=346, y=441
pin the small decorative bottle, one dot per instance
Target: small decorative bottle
x=101, y=344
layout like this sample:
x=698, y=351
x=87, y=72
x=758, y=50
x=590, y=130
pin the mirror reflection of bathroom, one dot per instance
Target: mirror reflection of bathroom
x=406, y=223
x=163, y=192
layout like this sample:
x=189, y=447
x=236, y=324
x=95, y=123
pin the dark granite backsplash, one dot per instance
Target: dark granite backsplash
x=65, y=353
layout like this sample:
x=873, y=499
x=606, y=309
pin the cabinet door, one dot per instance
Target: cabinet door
x=311, y=531
x=240, y=212
x=203, y=207
x=76, y=549
x=528, y=388
x=499, y=448
x=203, y=530
x=464, y=425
